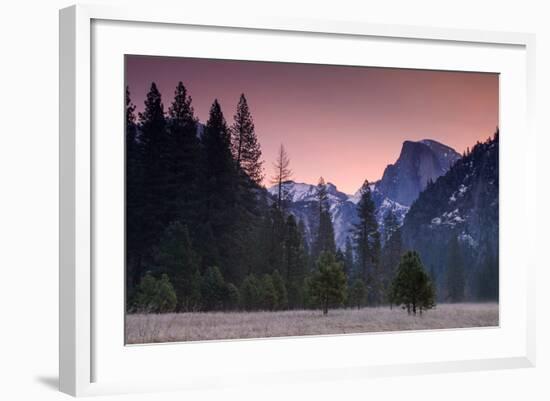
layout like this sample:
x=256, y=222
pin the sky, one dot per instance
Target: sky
x=343, y=123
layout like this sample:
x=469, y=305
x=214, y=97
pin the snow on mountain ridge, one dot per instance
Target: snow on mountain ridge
x=342, y=207
x=302, y=192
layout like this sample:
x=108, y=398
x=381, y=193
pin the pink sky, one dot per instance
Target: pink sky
x=343, y=123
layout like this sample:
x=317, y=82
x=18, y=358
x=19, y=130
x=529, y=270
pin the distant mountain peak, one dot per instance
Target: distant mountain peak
x=303, y=192
x=418, y=163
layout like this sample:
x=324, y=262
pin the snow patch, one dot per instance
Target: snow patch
x=467, y=239
x=448, y=218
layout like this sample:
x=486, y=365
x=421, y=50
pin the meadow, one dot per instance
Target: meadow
x=202, y=326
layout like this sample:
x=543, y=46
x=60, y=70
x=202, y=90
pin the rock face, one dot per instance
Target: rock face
x=418, y=163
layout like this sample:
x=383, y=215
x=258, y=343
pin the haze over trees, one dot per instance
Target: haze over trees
x=203, y=234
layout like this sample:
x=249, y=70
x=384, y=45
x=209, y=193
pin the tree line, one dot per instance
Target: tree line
x=202, y=233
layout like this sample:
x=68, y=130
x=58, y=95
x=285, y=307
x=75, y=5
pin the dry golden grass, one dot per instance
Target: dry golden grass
x=234, y=325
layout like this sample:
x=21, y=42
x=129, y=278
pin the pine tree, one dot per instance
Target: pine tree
x=131, y=127
x=268, y=293
x=214, y=289
x=250, y=202
x=181, y=111
x=144, y=297
x=184, y=156
x=154, y=137
x=152, y=118
x=233, y=297
x=411, y=286
x=245, y=146
x=294, y=262
x=221, y=211
x=327, y=285
x=146, y=181
x=275, y=235
x=134, y=198
x=280, y=290
x=391, y=225
x=305, y=244
x=367, y=243
x=153, y=144
x=488, y=280
x=392, y=250
x=250, y=293
x=349, y=259
x=154, y=296
x=217, y=148
x=455, y=272
x=207, y=245
x=322, y=196
x=282, y=173
x=195, y=297
x=324, y=241
x=340, y=257
x=166, y=299
x=325, y=236
x=357, y=293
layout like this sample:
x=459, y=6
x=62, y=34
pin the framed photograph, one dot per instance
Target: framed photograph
x=295, y=200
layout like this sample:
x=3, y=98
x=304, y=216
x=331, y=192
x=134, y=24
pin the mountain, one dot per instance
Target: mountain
x=301, y=201
x=463, y=204
x=418, y=163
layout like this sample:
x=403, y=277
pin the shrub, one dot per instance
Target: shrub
x=213, y=289
x=233, y=296
x=250, y=293
x=155, y=295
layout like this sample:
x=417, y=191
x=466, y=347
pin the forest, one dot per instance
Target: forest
x=204, y=234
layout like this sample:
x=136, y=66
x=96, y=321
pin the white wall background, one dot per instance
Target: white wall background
x=29, y=197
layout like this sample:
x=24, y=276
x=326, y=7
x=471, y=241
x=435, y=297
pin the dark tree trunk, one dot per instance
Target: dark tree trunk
x=279, y=193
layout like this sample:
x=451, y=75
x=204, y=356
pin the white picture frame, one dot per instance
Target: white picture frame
x=92, y=357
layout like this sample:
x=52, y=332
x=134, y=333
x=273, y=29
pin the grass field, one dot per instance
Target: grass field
x=234, y=325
